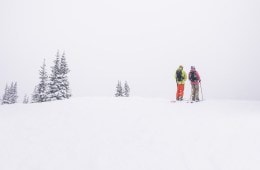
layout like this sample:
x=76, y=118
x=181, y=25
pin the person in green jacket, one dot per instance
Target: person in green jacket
x=180, y=77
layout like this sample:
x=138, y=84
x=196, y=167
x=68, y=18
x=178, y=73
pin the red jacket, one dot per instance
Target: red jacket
x=196, y=82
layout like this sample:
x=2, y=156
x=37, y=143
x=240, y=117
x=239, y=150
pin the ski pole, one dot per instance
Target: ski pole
x=190, y=94
x=201, y=91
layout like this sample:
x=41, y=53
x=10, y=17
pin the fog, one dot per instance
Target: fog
x=138, y=41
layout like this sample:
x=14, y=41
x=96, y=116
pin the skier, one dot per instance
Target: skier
x=194, y=78
x=180, y=77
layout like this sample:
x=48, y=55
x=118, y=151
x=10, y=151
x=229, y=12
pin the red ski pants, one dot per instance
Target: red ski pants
x=180, y=91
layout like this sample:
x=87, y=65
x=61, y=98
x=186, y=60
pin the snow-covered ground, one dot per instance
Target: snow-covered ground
x=130, y=134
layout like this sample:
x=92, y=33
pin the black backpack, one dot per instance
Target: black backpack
x=179, y=75
x=193, y=76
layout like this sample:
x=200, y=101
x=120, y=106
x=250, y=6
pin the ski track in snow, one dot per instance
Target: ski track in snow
x=130, y=134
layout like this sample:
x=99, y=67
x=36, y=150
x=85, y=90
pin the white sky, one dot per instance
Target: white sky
x=141, y=41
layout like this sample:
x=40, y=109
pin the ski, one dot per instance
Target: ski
x=185, y=101
x=179, y=101
x=190, y=101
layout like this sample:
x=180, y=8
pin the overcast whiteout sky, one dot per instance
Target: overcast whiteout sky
x=141, y=41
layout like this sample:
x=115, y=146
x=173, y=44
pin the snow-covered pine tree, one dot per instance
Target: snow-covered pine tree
x=13, y=93
x=10, y=95
x=126, y=90
x=55, y=81
x=40, y=91
x=43, y=85
x=119, y=90
x=35, y=95
x=64, y=70
x=25, y=99
x=6, y=96
x=10, y=92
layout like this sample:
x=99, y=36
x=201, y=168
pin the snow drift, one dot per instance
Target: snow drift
x=130, y=134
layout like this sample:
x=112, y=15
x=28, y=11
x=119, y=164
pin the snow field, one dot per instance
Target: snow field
x=130, y=134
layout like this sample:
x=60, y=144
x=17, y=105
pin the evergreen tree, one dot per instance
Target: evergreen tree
x=10, y=95
x=40, y=92
x=64, y=70
x=25, y=99
x=119, y=90
x=35, y=95
x=6, y=96
x=126, y=90
x=55, y=82
x=13, y=93
x=42, y=87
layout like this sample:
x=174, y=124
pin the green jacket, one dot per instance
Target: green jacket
x=184, y=75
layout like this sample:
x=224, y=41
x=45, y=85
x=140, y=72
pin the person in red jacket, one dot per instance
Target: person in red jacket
x=194, y=78
x=180, y=77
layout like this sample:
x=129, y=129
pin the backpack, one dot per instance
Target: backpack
x=193, y=76
x=179, y=75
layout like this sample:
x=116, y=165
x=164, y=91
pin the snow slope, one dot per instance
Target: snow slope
x=130, y=134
